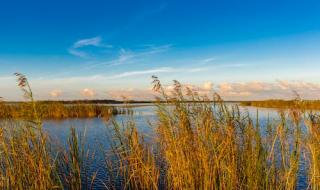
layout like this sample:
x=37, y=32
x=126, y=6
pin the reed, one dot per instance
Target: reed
x=134, y=159
x=313, y=147
x=207, y=145
x=213, y=146
x=26, y=162
x=29, y=159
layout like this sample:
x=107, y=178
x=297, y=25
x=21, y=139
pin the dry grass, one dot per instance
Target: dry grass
x=313, y=146
x=26, y=161
x=133, y=159
x=30, y=160
x=213, y=146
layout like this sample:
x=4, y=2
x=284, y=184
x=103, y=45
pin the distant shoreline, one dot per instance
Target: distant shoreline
x=273, y=103
x=107, y=102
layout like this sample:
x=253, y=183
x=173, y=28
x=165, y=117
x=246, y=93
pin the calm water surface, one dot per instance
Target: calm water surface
x=97, y=136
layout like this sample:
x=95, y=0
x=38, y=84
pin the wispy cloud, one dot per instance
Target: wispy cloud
x=142, y=72
x=128, y=55
x=125, y=56
x=155, y=71
x=208, y=60
x=125, y=74
x=78, y=53
x=94, y=42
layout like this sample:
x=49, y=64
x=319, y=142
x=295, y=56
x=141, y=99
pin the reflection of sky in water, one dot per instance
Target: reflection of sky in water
x=97, y=136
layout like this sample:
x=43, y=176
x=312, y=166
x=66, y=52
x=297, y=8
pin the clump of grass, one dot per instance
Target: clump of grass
x=73, y=163
x=26, y=162
x=28, y=159
x=313, y=147
x=132, y=159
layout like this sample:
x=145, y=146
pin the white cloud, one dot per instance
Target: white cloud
x=89, y=93
x=67, y=88
x=207, y=85
x=56, y=93
x=284, y=85
x=252, y=90
x=225, y=87
x=269, y=90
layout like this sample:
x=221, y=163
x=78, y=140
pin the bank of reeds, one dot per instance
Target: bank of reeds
x=56, y=111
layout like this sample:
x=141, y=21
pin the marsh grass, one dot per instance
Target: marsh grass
x=29, y=159
x=215, y=146
x=26, y=162
x=193, y=146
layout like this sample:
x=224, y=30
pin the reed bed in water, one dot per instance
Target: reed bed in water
x=284, y=104
x=194, y=146
x=57, y=110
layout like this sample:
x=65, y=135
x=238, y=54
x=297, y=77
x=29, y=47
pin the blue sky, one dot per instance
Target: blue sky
x=109, y=49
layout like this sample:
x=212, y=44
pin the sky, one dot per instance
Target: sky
x=109, y=49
